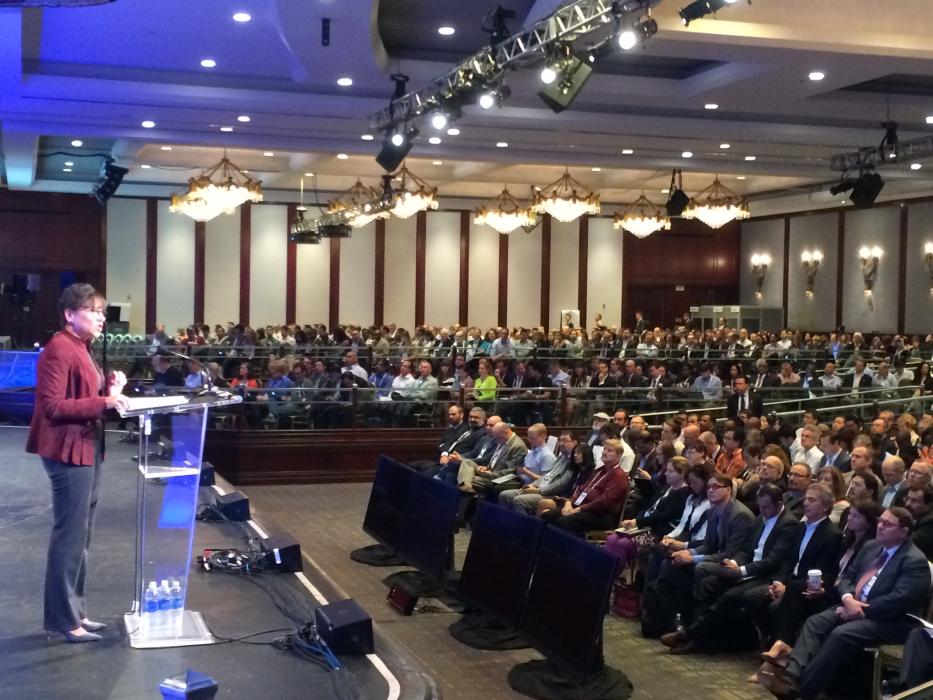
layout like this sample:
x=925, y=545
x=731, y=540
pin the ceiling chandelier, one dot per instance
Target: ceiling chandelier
x=642, y=218
x=504, y=213
x=716, y=206
x=566, y=199
x=217, y=190
x=412, y=194
x=358, y=206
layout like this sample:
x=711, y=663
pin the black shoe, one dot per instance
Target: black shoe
x=674, y=639
x=91, y=626
x=72, y=638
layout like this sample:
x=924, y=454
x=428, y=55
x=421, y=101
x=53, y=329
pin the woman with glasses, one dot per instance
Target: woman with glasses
x=66, y=432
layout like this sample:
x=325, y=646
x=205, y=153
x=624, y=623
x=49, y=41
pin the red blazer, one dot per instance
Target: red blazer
x=69, y=402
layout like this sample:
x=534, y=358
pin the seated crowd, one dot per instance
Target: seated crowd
x=323, y=377
x=813, y=541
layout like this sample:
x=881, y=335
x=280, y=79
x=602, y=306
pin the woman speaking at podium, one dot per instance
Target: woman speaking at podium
x=66, y=431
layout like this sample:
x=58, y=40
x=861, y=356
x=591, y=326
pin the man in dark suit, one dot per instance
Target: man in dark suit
x=920, y=504
x=456, y=429
x=641, y=323
x=859, y=379
x=743, y=400
x=889, y=579
x=764, y=379
x=720, y=588
x=457, y=442
x=479, y=453
x=835, y=454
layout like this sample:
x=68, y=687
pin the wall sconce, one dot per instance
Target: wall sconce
x=869, y=258
x=811, y=265
x=928, y=262
x=760, y=262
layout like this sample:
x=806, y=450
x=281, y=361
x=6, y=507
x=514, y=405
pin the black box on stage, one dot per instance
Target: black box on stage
x=345, y=627
x=207, y=474
x=282, y=553
x=234, y=506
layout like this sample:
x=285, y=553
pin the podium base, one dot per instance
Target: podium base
x=181, y=628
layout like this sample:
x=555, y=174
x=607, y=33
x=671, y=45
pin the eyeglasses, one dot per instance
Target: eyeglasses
x=713, y=487
x=93, y=310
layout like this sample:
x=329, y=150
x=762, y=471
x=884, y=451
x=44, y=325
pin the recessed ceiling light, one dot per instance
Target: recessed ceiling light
x=345, y=81
x=502, y=144
x=597, y=170
x=665, y=191
x=687, y=154
x=309, y=174
x=208, y=63
x=243, y=119
x=268, y=154
x=226, y=129
x=148, y=124
x=342, y=156
x=437, y=162
x=367, y=137
x=77, y=143
x=446, y=30
x=66, y=170
x=740, y=177
x=751, y=157
x=711, y=105
x=930, y=120
x=913, y=166
x=816, y=75
x=166, y=148
x=69, y=163
x=453, y=131
x=724, y=146
x=627, y=151
x=242, y=17
x=434, y=140
x=145, y=166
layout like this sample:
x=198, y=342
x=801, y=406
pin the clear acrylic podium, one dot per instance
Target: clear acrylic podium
x=167, y=501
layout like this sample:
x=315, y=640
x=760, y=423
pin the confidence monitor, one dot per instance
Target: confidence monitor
x=499, y=562
x=426, y=538
x=388, y=502
x=563, y=614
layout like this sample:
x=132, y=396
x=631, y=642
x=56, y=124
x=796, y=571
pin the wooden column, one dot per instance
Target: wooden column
x=152, y=250
x=545, y=270
x=333, y=314
x=245, y=235
x=503, y=317
x=464, y=267
x=291, y=266
x=421, y=240
x=379, y=274
x=199, y=262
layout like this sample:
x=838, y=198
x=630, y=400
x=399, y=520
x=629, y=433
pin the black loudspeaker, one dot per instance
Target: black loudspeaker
x=345, y=627
x=282, y=553
x=234, y=506
x=207, y=474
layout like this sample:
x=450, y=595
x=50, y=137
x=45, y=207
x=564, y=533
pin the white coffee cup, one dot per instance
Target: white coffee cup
x=814, y=579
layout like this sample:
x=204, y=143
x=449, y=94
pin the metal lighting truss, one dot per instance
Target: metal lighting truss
x=485, y=67
x=915, y=149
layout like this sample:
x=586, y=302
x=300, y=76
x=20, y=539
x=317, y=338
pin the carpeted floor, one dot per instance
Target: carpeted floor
x=326, y=520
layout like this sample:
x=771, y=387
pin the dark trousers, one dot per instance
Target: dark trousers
x=917, y=667
x=718, y=599
x=826, y=644
x=792, y=611
x=583, y=521
x=74, y=503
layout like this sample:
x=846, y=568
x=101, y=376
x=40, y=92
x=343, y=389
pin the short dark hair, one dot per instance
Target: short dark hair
x=772, y=491
x=722, y=480
x=76, y=296
x=927, y=492
x=904, y=518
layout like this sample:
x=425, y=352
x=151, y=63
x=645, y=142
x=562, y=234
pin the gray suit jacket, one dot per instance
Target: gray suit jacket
x=512, y=458
x=727, y=532
x=902, y=587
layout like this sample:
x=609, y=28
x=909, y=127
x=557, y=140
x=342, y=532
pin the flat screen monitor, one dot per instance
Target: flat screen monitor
x=567, y=599
x=388, y=502
x=499, y=562
x=426, y=538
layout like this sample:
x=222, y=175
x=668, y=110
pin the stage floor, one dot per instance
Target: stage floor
x=32, y=665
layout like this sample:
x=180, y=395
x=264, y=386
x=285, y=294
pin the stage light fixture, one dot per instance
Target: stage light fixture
x=561, y=93
x=677, y=199
x=487, y=100
x=866, y=190
x=111, y=177
x=844, y=185
x=397, y=139
x=627, y=39
x=548, y=75
x=439, y=120
x=701, y=8
x=394, y=149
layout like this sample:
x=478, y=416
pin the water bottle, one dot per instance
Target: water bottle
x=679, y=622
x=151, y=598
x=175, y=595
x=165, y=600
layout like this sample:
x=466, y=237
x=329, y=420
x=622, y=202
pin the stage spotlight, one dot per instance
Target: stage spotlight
x=395, y=148
x=844, y=185
x=495, y=96
x=111, y=177
x=303, y=231
x=548, y=75
x=562, y=92
x=866, y=190
x=487, y=100
x=439, y=120
x=627, y=39
x=701, y=8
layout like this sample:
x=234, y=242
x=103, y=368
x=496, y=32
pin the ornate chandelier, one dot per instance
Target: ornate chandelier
x=716, y=206
x=504, y=213
x=358, y=206
x=642, y=218
x=566, y=199
x=412, y=195
x=217, y=190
